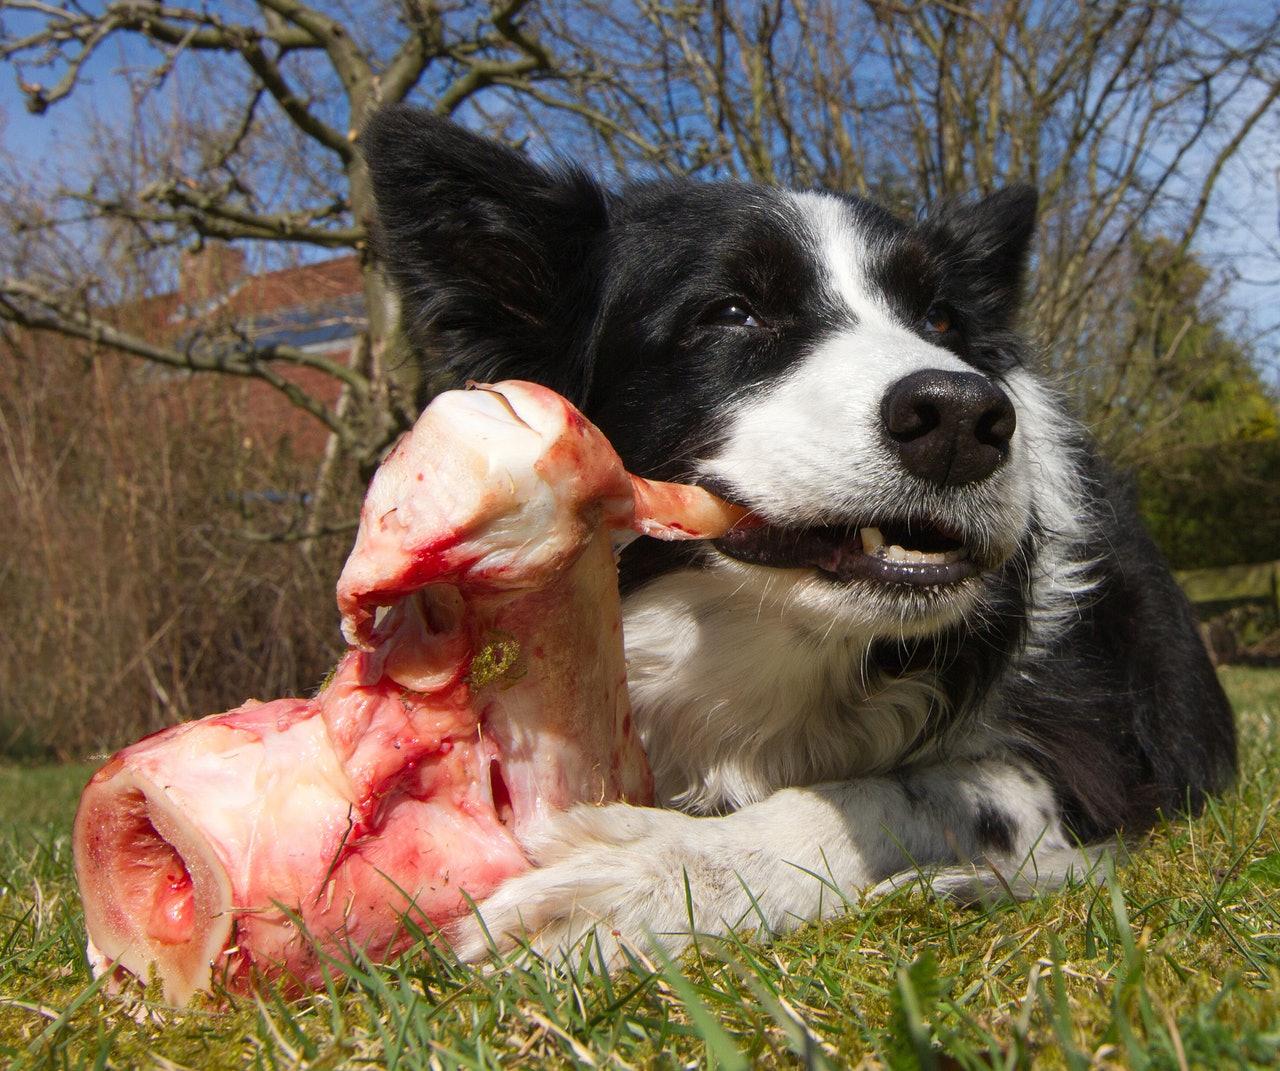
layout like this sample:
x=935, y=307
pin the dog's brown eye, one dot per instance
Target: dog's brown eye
x=733, y=313
x=939, y=319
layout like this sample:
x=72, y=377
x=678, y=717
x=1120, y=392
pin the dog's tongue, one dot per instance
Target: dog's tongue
x=485, y=689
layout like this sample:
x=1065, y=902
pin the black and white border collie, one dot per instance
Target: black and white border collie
x=952, y=650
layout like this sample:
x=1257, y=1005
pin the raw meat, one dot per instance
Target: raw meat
x=484, y=689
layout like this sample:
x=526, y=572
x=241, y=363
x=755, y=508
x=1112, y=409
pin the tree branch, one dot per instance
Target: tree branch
x=185, y=27
x=426, y=41
x=486, y=72
x=213, y=217
x=350, y=64
x=1220, y=161
x=30, y=306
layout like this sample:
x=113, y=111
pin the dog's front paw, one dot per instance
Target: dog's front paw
x=619, y=871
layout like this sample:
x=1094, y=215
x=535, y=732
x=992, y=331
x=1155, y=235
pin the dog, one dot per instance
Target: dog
x=950, y=650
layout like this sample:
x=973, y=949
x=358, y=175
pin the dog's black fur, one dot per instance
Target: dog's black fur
x=639, y=306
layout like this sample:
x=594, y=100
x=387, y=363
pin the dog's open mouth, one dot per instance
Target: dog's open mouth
x=917, y=553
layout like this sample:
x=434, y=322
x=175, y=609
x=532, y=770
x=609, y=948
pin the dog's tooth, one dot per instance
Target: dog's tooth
x=896, y=553
x=872, y=540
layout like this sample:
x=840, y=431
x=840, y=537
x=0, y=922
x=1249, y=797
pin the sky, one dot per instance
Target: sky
x=1242, y=237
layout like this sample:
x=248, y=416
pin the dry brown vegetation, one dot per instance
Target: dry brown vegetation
x=135, y=592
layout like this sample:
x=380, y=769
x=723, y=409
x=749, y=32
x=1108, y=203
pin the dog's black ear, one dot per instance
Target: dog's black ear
x=490, y=253
x=985, y=246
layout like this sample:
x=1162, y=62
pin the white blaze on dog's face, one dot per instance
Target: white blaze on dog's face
x=812, y=451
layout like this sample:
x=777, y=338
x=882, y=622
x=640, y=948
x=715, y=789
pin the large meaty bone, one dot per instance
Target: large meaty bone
x=483, y=690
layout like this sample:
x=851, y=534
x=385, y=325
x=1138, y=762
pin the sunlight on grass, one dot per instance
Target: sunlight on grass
x=1171, y=963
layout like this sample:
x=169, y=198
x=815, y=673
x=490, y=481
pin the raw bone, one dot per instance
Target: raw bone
x=484, y=689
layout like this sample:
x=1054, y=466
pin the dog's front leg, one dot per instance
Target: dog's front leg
x=636, y=874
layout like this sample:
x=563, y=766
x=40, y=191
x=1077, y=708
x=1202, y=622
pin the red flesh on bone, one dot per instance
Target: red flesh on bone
x=484, y=689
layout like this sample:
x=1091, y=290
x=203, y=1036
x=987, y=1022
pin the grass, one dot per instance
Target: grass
x=1173, y=963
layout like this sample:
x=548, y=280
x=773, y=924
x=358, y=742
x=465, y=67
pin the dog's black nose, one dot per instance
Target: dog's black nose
x=949, y=428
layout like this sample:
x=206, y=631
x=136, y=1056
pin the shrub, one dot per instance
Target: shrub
x=1218, y=505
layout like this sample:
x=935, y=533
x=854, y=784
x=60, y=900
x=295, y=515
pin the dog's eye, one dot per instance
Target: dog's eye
x=732, y=313
x=940, y=319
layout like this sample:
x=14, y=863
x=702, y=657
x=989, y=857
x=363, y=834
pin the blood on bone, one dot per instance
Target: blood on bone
x=264, y=838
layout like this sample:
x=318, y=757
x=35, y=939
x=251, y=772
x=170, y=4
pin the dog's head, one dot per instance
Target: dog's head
x=856, y=380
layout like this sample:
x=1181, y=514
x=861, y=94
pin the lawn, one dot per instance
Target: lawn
x=1172, y=963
